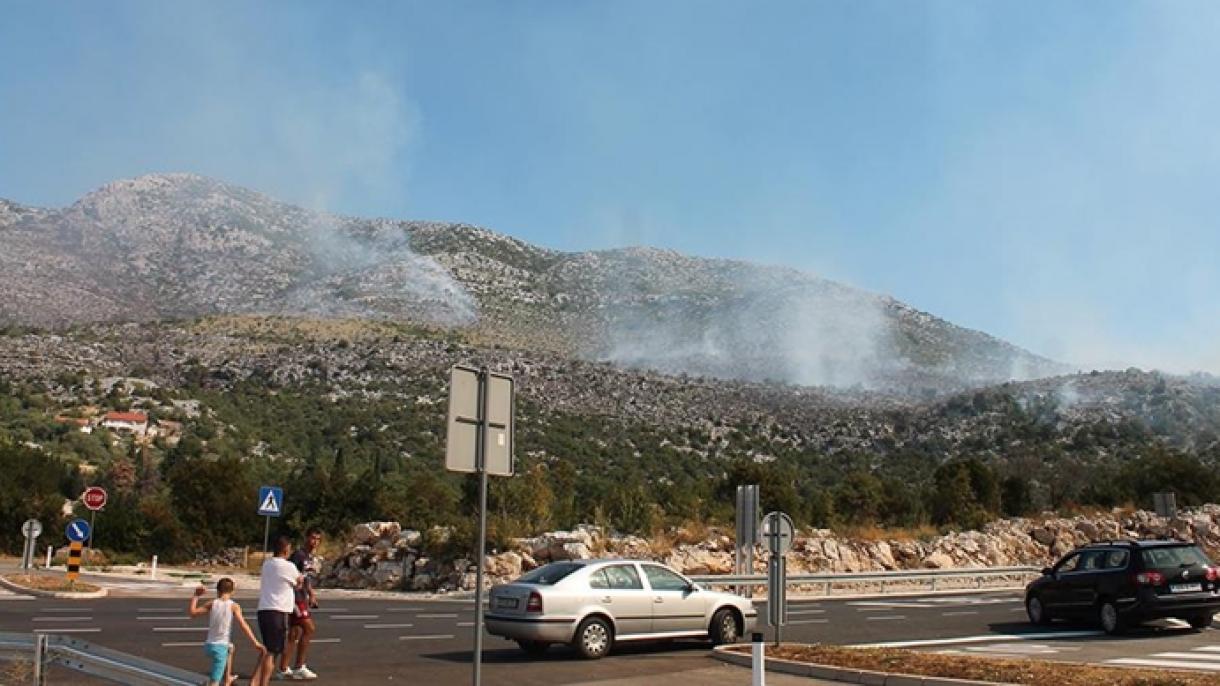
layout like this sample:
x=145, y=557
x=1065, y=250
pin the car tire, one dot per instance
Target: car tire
x=1036, y=611
x=1111, y=621
x=593, y=638
x=725, y=627
x=533, y=647
x=1200, y=622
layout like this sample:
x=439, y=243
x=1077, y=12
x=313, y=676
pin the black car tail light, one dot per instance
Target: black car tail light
x=534, y=604
x=1150, y=578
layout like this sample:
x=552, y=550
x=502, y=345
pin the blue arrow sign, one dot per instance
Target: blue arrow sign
x=78, y=530
x=270, y=501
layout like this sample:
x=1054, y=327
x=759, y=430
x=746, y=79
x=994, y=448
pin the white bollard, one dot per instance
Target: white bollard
x=759, y=668
x=154, y=568
x=49, y=549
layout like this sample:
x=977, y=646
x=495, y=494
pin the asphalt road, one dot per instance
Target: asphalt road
x=385, y=640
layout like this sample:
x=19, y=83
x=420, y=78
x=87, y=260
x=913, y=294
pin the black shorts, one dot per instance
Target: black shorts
x=273, y=626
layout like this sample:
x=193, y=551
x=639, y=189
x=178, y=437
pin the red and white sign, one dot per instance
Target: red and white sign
x=94, y=497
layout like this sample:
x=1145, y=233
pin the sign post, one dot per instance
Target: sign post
x=779, y=533
x=94, y=498
x=747, y=533
x=270, y=504
x=31, y=529
x=480, y=439
x=78, y=532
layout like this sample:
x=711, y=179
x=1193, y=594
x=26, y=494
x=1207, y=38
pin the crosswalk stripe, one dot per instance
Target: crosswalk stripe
x=1188, y=656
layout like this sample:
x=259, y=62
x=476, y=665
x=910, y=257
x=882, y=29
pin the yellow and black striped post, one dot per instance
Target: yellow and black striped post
x=74, y=560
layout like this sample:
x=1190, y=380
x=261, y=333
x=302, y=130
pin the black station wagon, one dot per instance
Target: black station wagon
x=1122, y=583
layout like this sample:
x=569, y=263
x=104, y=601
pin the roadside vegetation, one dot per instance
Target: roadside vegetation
x=348, y=457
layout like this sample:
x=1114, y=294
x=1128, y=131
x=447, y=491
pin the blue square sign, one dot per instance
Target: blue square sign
x=270, y=501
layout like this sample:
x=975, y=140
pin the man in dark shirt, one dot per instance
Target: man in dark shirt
x=302, y=623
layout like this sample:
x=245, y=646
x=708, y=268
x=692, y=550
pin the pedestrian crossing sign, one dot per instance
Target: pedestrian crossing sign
x=270, y=501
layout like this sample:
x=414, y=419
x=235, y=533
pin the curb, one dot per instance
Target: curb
x=846, y=675
x=60, y=595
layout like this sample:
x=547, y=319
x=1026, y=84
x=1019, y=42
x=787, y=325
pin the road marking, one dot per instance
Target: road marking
x=1018, y=649
x=810, y=621
x=63, y=619
x=388, y=626
x=465, y=624
x=437, y=616
x=180, y=628
x=343, y=617
x=1136, y=662
x=430, y=637
x=1188, y=656
x=66, y=631
x=806, y=612
x=182, y=644
x=881, y=618
x=324, y=640
x=872, y=605
x=985, y=638
x=959, y=613
x=61, y=609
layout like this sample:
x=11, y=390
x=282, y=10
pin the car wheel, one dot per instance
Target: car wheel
x=533, y=647
x=593, y=638
x=1200, y=621
x=1111, y=622
x=725, y=627
x=1037, y=611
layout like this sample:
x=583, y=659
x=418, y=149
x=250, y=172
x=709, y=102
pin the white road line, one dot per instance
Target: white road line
x=959, y=613
x=430, y=637
x=1207, y=649
x=17, y=597
x=866, y=606
x=343, y=617
x=880, y=618
x=61, y=609
x=180, y=628
x=63, y=619
x=1188, y=656
x=66, y=631
x=985, y=638
x=465, y=624
x=388, y=626
x=325, y=640
x=182, y=644
x=1135, y=662
x=437, y=616
x=809, y=621
x=806, y=612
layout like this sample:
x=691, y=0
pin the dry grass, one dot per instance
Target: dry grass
x=16, y=672
x=50, y=582
x=872, y=532
x=995, y=670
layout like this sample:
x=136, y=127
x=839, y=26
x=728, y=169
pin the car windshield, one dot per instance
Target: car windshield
x=547, y=575
x=1175, y=556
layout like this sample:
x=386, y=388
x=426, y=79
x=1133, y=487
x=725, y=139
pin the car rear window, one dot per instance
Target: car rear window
x=1174, y=556
x=1116, y=559
x=547, y=575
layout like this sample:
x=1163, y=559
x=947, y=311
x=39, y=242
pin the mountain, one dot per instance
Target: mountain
x=181, y=246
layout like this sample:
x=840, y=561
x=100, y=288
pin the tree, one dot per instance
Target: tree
x=31, y=488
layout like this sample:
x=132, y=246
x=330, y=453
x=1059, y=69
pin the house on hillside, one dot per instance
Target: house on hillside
x=130, y=422
x=83, y=425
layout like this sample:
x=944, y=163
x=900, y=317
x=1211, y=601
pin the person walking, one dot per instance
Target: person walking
x=301, y=624
x=277, y=584
x=221, y=612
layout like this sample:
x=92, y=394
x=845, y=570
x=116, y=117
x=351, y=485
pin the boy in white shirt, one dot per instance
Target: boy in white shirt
x=221, y=612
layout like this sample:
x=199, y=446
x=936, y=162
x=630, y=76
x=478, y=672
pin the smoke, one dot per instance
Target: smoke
x=790, y=328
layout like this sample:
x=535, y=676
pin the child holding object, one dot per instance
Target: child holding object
x=221, y=612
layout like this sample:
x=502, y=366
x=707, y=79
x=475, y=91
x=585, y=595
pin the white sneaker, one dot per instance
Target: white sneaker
x=284, y=675
x=303, y=673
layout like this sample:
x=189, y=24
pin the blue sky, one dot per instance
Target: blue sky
x=1045, y=172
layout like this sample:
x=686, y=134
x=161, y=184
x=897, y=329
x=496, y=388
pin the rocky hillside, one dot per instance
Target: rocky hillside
x=173, y=246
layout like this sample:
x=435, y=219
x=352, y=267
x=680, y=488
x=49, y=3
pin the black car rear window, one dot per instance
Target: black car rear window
x=547, y=575
x=1174, y=556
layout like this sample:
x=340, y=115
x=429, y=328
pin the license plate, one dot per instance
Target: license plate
x=1185, y=588
x=506, y=602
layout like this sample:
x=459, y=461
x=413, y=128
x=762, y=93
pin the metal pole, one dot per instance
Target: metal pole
x=40, y=656
x=92, y=518
x=480, y=461
x=49, y=549
x=266, y=533
x=759, y=663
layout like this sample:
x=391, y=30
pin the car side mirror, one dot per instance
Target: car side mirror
x=691, y=588
x=1047, y=571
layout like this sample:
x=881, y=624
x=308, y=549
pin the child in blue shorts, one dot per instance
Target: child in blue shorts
x=221, y=612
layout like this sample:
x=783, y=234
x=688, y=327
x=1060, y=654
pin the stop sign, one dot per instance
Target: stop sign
x=94, y=497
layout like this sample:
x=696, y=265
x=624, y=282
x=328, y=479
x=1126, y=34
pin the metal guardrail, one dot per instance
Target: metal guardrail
x=827, y=581
x=44, y=651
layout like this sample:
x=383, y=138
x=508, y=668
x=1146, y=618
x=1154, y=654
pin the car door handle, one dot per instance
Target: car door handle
x=658, y=599
x=607, y=599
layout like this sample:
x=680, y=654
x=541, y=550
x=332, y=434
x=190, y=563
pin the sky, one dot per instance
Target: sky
x=1042, y=171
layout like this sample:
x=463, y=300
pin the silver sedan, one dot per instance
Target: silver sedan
x=593, y=604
